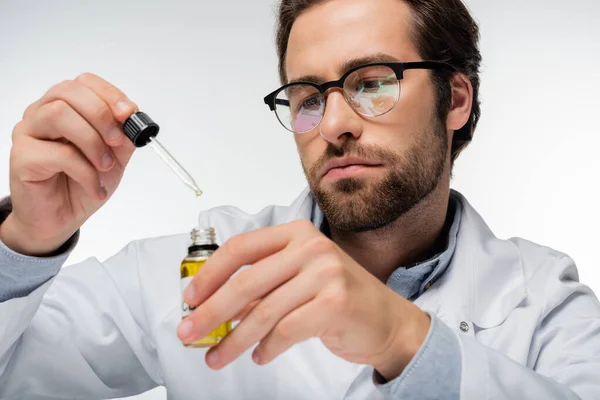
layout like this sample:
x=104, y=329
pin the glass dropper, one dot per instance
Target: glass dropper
x=141, y=130
x=183, y=175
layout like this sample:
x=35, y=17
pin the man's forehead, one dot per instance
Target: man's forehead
x=330, y=39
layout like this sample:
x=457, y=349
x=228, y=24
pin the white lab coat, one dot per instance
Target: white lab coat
x=107, y=329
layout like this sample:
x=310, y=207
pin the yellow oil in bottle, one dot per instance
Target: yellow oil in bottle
x=203, y=247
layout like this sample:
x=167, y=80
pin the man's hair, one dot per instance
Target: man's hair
x=443, y=30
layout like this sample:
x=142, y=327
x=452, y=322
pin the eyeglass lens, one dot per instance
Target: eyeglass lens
x=371, y=91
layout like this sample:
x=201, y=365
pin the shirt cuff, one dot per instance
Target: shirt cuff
x=435, y=372
x=20, y=275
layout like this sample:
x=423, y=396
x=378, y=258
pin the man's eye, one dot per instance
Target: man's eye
x=311, y=103
x=371, y=83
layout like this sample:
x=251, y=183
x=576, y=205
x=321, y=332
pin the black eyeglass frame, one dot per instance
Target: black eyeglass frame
x=461, y=137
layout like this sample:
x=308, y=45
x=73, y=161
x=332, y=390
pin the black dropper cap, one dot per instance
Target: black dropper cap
x=140, y=128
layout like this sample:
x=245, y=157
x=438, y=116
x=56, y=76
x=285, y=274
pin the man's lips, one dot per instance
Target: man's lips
x=345, y=167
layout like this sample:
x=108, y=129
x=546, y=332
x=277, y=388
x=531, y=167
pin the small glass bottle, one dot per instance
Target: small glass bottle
x=203, y=246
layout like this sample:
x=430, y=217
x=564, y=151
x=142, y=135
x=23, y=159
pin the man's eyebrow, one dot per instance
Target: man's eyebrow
x=308, y=78
x=348, y=65
x=370, y=59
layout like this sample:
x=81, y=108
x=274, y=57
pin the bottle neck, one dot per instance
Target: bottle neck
x=202, y=248
x=199, y=255
x=203, y=236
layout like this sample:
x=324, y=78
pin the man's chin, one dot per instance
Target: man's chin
x=343, y=186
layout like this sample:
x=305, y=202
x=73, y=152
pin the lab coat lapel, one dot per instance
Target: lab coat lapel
x=484, y=281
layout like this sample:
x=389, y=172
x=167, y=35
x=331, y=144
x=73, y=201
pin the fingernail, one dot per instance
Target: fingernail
x=107, y=160
x=115, y=134
x=190, y=294
x=256, y=357
x=102, y=192
x=123, y=107
x=185, y=328
x=212, y=357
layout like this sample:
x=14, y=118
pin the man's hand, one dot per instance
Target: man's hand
x=68, y=156
x=300, y=285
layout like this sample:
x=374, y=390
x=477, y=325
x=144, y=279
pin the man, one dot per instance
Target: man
x=378, y=282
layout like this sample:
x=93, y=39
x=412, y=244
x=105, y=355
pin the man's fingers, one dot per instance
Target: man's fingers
x=301, y=324
x=236, y=294
x=44, y=159
x=102, y=105
x=242, y=314
x=244, y=249
x=120, y=105
x=265, y=315
x=57, y=120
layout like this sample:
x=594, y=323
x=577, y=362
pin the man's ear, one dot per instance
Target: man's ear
x=462, y=103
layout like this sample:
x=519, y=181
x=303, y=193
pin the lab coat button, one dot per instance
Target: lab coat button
x=464, y=326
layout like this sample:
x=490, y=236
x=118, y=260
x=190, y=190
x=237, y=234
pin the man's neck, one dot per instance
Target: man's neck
x=414, y=237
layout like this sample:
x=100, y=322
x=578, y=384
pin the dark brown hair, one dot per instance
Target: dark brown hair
x=443, y=30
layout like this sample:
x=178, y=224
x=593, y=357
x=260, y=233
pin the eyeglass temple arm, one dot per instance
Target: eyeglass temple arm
x=463, y=135
x=272, y=102
x=282, y=102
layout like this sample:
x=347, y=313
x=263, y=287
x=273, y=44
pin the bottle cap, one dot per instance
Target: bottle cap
x=140, y=128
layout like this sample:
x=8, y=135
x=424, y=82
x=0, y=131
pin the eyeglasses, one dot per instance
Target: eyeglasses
x=371, y=90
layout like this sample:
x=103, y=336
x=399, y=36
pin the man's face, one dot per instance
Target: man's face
x=407, y=148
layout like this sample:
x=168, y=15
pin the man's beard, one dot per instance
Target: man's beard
x=360, y=205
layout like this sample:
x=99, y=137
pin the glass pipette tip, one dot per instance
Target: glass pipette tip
x=172, y=163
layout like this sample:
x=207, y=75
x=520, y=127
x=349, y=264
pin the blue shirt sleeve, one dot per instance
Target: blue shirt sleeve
x=435, y=372
x=20, y=274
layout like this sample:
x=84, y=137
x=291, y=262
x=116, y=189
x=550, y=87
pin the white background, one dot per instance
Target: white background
x=201, y=69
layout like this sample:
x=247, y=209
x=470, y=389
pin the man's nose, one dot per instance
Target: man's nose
x=339, y=122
